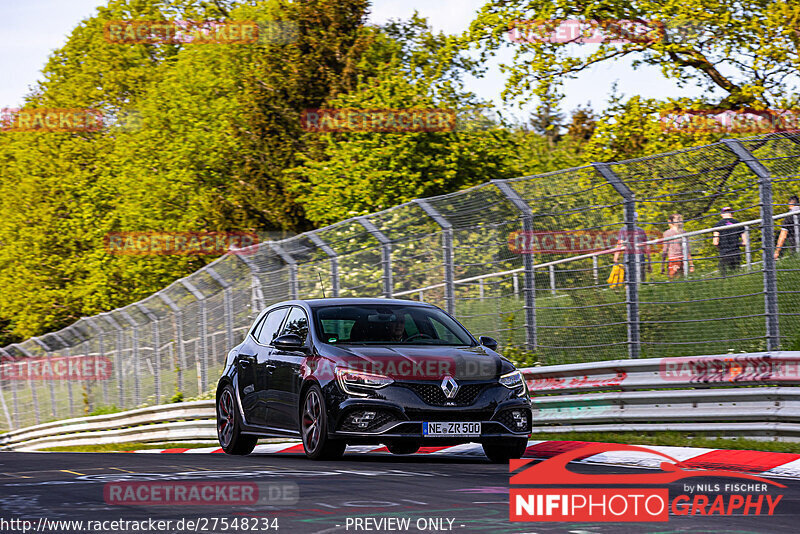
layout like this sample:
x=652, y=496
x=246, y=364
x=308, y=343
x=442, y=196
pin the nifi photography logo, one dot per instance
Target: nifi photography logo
x=640, y=497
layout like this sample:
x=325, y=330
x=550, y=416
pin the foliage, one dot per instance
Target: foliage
x=355, y=173
x=177, y=152
x=743, y=53
x=105, y=410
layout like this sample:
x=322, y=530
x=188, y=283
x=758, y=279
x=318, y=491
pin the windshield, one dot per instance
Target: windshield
x=389, y=324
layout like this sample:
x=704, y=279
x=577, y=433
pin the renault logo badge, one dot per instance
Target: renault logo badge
x=450, y=387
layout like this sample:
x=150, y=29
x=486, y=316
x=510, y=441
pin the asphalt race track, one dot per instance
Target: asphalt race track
x=470, y=492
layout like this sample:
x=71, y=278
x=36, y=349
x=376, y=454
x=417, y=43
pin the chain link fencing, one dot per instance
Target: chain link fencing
x=526, y=260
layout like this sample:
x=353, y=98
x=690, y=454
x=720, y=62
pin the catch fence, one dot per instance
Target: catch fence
x=524, y=260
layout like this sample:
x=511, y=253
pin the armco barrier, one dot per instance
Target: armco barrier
x=728, y=394
x=192, y=421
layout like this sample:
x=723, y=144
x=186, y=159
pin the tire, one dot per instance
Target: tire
x=505, y=450
x=403, y=447
x=314, y=428
x=229, y=426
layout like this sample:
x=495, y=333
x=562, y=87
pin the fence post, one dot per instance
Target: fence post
x=685, y=252
x=747, y=251
x=227, y=304
x=796, y=228
x=118, y=358
x=100, y=349
x=631, y=256
x=767, y=239
x=287, y=258
x=386, y=254
x=137, y=392
x=34, y=396
x=156, y=349
x=527, y=261
x=333, y=259
x=50, y=385
x=447, y=254
x=202, y=361
x=68, y=348
x=76, y=333
x=178, y=316
x=256, y=295
x=14, y=406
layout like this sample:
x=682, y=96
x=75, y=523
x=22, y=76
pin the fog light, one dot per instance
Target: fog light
x=519, y=419
x=363, y=420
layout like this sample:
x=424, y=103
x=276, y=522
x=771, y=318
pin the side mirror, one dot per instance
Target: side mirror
x=288, y=342
x=488, y=342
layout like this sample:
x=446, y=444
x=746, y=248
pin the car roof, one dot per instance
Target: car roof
x=317, y=303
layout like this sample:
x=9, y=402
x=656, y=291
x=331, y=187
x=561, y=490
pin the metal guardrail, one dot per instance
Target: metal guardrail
x=730, y=394
x=193, y=421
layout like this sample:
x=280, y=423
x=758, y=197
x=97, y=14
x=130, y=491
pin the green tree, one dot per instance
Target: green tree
x=408, y=67
x=744, y=53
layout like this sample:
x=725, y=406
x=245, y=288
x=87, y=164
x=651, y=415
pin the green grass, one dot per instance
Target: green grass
x=568, y=320
x=675, y=439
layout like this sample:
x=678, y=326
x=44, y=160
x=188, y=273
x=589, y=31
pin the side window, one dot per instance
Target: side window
x=258, y=326
x=297, y=323
x=269, y=329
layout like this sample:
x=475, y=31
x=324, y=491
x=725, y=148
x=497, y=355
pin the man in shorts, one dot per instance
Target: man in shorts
x=672, y=249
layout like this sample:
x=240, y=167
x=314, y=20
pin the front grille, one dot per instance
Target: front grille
x=505, y=418
x=432, y=394
x=420, y=415
x=381, y=418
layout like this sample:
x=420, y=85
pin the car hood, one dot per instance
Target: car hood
x=418, y=362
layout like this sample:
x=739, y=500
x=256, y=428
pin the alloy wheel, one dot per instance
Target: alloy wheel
x=225, y=418
x=312, y=424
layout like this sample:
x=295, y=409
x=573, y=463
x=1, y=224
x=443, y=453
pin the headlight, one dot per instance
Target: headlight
x=512, y=380
x=348, y=378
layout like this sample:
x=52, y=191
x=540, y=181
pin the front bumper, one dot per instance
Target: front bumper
x=401, y=410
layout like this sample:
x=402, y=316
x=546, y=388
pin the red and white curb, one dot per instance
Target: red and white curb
x=773, y=464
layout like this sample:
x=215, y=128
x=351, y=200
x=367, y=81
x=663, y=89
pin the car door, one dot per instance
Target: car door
x=255, y=370
x=286, y=379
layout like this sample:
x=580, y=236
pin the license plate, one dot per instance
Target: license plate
x=438, y=430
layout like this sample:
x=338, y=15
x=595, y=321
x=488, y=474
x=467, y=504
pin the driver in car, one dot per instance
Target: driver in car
x=397, y=328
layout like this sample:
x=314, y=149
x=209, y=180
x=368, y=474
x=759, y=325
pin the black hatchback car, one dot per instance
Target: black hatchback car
x=401, y=373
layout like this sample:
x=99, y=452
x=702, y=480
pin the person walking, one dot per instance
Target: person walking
x=672, y=249
x=635, y=244
x=790, y=229
x=727, y=242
